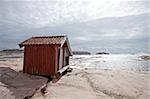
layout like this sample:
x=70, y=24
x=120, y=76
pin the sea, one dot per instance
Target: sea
x=110, y=62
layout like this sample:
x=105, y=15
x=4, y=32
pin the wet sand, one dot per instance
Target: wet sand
x=13, y=83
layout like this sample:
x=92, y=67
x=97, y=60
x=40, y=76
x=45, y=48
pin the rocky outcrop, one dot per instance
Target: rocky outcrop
x=101, y=53
x=81, y=53
x=145, y=57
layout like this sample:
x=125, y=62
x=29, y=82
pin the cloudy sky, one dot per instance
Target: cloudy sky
x=116, y=26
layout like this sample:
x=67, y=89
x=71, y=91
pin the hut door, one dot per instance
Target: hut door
x=67, y=60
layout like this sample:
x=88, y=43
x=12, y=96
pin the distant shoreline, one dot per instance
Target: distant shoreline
x=78, y=52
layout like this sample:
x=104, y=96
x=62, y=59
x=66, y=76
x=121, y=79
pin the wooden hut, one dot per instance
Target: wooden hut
x=45, y=55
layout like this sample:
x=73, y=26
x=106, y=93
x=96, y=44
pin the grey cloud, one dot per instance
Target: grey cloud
x=95, y=31
x=20, y=20
x=38, y=13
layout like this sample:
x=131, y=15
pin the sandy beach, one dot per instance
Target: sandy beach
x=99, y=84
x=81, y=83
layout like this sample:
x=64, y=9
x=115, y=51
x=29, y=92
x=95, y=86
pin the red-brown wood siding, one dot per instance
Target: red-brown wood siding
x=24, y=60
x=40, y=60
x=56, y=58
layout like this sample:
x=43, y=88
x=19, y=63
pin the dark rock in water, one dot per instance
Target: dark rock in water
x=101, y=53
x=81, y=53
x=145, y=57
x=12, y=50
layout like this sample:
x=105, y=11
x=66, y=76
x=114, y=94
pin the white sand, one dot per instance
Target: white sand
x=99, y=84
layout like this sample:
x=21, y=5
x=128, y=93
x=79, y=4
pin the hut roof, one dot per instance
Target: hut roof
x=46, y=40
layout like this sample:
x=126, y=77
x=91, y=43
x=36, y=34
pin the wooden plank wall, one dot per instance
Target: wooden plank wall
x=40, y=60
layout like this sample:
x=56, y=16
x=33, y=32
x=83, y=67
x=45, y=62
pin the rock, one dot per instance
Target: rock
x=102, y=53
x=144, y=57
x=81, y=53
